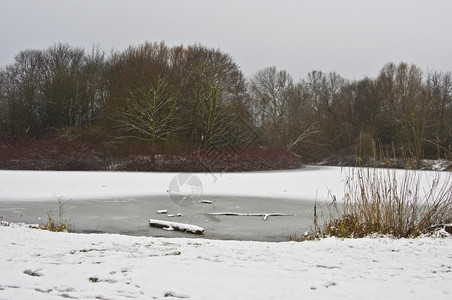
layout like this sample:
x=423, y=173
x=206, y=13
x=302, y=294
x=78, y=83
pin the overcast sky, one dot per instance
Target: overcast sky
x=355, y=38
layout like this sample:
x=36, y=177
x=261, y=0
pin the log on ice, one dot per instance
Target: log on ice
x=265, y=215
x=176, y=226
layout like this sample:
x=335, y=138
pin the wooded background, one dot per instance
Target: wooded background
x=169, y=99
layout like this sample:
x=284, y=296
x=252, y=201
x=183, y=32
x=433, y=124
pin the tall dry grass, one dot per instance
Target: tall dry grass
x=390, y=202
x=58, y=223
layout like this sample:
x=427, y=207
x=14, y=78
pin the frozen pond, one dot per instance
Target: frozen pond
x=123, y=202
x=130, y=216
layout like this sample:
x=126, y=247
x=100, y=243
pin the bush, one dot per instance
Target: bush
x=58, y=224
x=54, y=225
x=384, y=201
x=50, y=152
x=78, y=150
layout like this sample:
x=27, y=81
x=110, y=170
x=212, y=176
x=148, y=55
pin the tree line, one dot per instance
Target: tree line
x=172, y=98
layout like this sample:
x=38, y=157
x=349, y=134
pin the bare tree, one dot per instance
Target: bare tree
x=405, y=109
x=3, y=104
x=325, y=92
x=21, y=93
x=270, y=92
x=62, y=92
x=214, y=90
x=439, y=91
x=149, y=113
x=93, y=82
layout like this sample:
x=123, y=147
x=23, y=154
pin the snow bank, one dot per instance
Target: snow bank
x=43, y=265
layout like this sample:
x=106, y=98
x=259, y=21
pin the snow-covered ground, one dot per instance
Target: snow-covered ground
x=37, y=264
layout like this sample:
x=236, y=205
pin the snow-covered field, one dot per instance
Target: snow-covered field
x=37, y=264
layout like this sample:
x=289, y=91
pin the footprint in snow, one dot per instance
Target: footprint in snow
x=175, y=295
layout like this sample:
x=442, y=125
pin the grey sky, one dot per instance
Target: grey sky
x=355, y=38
